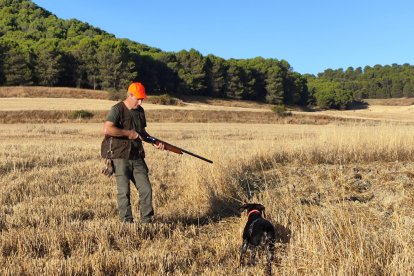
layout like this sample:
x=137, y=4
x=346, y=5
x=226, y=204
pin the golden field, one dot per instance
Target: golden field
x=345, y=187
x=385, y=113
x=18, y=104
x=45, y=104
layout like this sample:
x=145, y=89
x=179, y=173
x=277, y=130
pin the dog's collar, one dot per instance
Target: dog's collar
x=253, y=211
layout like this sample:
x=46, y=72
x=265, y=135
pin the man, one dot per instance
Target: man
x=123, y=144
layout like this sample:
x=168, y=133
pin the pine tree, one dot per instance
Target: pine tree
x=16, y=69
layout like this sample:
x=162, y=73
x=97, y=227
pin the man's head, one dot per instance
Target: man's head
x=136, y=94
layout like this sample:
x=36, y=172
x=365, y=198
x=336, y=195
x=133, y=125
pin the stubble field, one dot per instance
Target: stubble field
x=346, y=189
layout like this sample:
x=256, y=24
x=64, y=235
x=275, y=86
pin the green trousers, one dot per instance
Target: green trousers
x=137, y=172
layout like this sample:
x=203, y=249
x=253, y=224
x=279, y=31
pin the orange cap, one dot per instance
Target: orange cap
x=138, y=90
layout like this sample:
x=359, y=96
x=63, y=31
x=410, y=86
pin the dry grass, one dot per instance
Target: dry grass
x=402, y=113
x=15, y=98
x=391, y=101
x=347, y=191
x=50, y=92
x=39, y=110
x=185, y=116
x=227, y=102
x=19, y=104
x=45, y=104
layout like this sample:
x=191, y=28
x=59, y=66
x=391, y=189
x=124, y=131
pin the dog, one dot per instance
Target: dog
x=260, y=232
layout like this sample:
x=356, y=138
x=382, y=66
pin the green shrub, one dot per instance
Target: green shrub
x=343, y=99
x=82, y=114
x=325, y=99
x=280, y=109
x=165, y=99
x=337, y=98
x=116, y=95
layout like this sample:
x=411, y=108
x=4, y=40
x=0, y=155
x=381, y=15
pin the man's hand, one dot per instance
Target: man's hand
x=111, y=130
x=159, y=145
x=133, y=135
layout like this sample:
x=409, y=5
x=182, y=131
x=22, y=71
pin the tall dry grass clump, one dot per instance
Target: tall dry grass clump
x=347, y=193
x=344, y=144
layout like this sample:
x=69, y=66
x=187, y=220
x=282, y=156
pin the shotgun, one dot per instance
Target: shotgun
x=167, y=146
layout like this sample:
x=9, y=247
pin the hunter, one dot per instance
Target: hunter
x=123, y=145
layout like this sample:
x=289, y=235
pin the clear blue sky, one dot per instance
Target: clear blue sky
x=311, y=35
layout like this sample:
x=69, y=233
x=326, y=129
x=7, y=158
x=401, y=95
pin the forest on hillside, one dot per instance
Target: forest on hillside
x=377, y=82
x=38, y=48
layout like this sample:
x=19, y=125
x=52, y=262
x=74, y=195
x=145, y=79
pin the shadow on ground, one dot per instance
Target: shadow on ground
x=219, y=209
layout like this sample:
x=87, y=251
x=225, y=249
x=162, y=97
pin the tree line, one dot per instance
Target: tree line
x=334, y=88
x=37, y=48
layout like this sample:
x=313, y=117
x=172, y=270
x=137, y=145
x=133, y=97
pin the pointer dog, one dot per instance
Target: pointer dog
x=260, y=232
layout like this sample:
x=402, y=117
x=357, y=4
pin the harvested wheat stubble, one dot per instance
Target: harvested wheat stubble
x=58, y=214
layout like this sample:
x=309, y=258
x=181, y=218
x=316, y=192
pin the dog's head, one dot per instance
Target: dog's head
x=252, y=206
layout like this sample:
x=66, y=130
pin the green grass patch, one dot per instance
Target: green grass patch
x=82, y=114
x=165, y=99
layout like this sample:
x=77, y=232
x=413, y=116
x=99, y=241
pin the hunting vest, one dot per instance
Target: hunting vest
x=120, y=147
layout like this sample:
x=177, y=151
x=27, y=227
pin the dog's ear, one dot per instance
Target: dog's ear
x=243, y=207
x=260, y=207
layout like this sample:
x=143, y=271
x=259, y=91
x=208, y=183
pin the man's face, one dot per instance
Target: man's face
x=135, y=101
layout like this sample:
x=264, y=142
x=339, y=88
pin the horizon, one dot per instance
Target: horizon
x=338, y=35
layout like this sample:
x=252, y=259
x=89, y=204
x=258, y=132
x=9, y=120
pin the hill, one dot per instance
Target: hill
x=336, y=88
x=37, y=48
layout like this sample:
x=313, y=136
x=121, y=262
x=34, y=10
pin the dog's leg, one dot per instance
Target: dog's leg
x=252, y=255
x=243, y=251
x=270, y=256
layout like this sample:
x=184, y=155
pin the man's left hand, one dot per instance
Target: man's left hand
x=159, y=146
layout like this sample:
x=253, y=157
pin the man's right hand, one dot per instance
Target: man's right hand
x=133, y=135
x=111, y=130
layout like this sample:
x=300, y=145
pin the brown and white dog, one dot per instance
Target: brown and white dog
x=260, y=232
